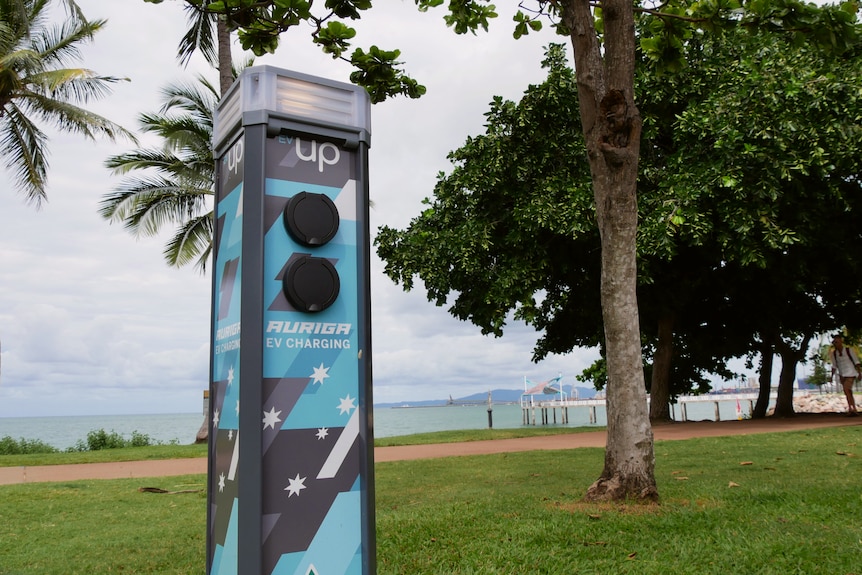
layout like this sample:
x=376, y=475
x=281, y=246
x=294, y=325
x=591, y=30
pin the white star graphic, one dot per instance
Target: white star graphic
x=295, y=486
x=215, y=418
x=237, y=407
x=322, y=433
x=230, y=376
x=320, y=373
x=221, y=482
x=346, y=405
x=270, y=418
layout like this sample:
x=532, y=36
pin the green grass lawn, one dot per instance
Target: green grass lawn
x=105, y=455
x=781, y=503
x=479, y=435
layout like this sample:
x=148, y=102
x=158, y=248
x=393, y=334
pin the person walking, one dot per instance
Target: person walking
x=846, y=364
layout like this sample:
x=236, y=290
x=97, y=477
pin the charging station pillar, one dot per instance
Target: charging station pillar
x=290, y=483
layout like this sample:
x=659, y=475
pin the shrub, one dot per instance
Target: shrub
x=99, y=439
x=9, y=446
x=140, y=440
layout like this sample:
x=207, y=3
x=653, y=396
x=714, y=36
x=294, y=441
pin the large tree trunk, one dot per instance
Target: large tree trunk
x=659, y=407
x=611, y=124
x=784, y=401
x=790, y=357
x=764, y=381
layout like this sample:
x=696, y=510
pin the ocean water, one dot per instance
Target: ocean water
x=65, y=432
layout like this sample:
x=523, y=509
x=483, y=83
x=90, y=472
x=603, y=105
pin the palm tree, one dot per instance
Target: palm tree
x=209, y=33
x=179, y=193
x=174, y=183
x=36, y=86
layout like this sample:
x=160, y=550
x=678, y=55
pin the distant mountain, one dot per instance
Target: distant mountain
x=497, y=396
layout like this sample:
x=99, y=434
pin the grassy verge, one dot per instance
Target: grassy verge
x=478, y=435
x=184, y=451
x=760, y=504
x=105, y=455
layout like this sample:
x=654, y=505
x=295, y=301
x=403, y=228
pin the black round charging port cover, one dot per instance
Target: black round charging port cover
x=311, y=219
x=311, y=284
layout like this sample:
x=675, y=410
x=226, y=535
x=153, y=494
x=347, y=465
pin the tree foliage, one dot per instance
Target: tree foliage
x=171, y=184
x=508, y=231
x=514, y=218
x=604, y=48
x=259, y=25
x=36, y=85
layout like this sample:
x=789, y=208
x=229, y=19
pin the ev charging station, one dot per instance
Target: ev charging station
x=290, y=488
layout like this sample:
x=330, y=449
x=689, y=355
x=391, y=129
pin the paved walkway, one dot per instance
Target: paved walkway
x=663, y=432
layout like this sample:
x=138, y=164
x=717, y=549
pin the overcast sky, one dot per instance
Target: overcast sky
x=93, y=322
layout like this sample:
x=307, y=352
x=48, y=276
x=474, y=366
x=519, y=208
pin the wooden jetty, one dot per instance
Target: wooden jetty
x=546, y=409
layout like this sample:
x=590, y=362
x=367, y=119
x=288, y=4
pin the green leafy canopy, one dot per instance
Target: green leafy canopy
x=259, y=24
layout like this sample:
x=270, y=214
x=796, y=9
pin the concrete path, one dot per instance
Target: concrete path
x=663, y=432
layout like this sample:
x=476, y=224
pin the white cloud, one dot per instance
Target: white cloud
x=92, y=320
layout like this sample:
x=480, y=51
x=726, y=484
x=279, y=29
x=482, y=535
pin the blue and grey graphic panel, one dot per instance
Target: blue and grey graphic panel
x=313, y=484
x=225, y=384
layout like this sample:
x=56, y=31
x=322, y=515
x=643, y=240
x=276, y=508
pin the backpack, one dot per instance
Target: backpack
x=850, y=353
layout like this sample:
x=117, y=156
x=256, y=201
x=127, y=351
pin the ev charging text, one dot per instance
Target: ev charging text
x=308, y=328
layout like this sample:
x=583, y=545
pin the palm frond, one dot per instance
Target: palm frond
x=130, y=206
x=142, y=159
x=191, y=98
x=192, y=242
x=201, y=35
x=181, y=132
x=72, y=84
x=61, y=45
x=18, y=62
x=191, y=171
x=22, y=146
x=145, y=209
x=173, y=185
x=73, y=119
x=36, y=84
x=73, y=10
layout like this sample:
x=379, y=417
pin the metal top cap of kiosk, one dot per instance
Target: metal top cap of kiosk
x=262, y=93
